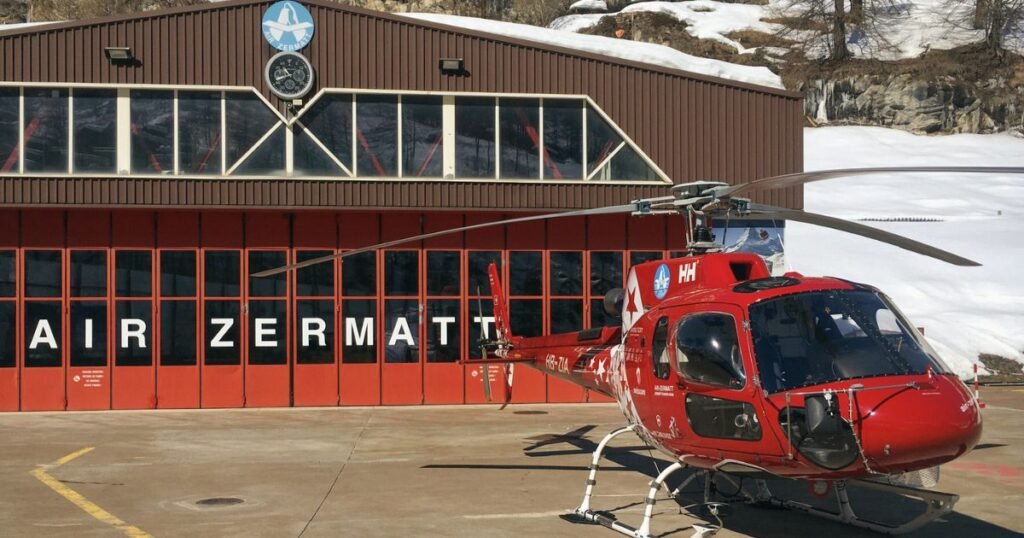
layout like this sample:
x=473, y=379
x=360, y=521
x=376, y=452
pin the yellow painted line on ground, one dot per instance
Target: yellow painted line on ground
x=85, y=504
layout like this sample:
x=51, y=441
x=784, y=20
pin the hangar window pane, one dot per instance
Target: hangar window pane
x=443, y=273
x=178, y=273
x=605, y=272
x=316, y=280
x=88, y=273
x=311, y=159
x=267, y=159
x=563, y=139
x=520, y=138
x=401, y=272
x=330, y=121
x=271, y=286
x=199, y=133
x=600, y=318
x=525, y=273
x=46, y=130
x=636, y=258
x=401, y=331
x=566, y=315
x=476, y=321
x=222, y=269
x=566, y=273
x=95, y=124
x=9, y=99
x=315, y=330
x=133, y=273
x=268, y=332
x=422, y=136
x=359, y=275
x=602, y=140
x=359, y=332
x=626, y=165
x=478, y=262
x=7, y=337
x=152, y=118
x=443, y=331
x=42, y=334
x=88, y=333
x=222, y=328
x=377, y=135
x=474, y=137
x=177, y=333
x=133, y=333
x=248, y=119
x=526, y=317
x=42, y=273
x=7, y=273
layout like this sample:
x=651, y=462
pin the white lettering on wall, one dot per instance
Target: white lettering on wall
x=264, y=329
x=88, y=334
x=356, y=335
x=225, y=326
x=43, y=335
x=401, y=332
x=133, y=328
x=314, y=327
x=444, y=322
x=488, y=321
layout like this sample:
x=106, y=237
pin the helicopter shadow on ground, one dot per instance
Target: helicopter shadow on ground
x=739, y=517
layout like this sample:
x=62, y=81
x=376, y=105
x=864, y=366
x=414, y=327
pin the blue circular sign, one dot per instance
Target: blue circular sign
x=288, y=26
x=661, y=280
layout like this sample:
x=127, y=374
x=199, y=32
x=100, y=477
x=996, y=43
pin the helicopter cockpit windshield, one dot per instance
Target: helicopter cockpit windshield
x=817, y=337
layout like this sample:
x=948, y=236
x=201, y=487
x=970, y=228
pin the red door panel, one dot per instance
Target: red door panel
x=316, y=385
x=315, y=370
x=222, y=386
x=528, y=385
x=359, y=384
x=42, y=369
x=180, y=337
x=177, y=387
x=443, y=383
x=607, y=232
x=359, y=378
x=133, y=320
x=475, y=385
x=88, y=373
x=221, y=370
x=268, y=372
x=10, y=338
x=647, y=233
x=403, y=384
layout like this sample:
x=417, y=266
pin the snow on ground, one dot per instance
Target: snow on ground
x=620, y=48
x=906, y=29
x=965, y=311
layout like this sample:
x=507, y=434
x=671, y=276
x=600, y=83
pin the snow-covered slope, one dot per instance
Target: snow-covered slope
x=965, y=311
x=619, y=48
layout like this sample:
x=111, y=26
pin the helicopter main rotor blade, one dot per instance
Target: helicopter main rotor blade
x=763, y=211
x=610, y=210
x=801, y=178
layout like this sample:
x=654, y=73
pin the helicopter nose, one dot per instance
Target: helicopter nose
x=922, y=428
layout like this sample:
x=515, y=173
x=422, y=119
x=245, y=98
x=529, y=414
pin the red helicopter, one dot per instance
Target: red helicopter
x=739, y=374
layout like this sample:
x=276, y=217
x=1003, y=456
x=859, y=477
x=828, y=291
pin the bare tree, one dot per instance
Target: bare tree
x=999, y=19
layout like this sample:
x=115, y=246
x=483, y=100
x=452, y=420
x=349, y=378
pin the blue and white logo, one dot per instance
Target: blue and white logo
x=288, y=26
x=661, y=280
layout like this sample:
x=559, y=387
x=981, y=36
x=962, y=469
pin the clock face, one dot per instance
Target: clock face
x=289, y=75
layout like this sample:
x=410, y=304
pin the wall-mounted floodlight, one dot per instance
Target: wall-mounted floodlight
x=452, y=66
x=118, y=54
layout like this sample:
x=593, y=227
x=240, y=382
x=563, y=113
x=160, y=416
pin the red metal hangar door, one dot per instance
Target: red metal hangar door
x=222, y=372
x=525, y=283
x=134, y=376
x=43, y=342
x=267, y=372
x=606, y=242
x=177, y=378
x=483, y=247
x=442, y=315
x=402, y=372
x=315, y=370
x=566, y=293
x=89, y=290
x=9, y=310
x=359, y=371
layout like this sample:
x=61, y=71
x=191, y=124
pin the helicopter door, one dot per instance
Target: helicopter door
x=711, y=358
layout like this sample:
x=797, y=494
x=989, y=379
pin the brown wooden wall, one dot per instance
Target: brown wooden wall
x=694, y=127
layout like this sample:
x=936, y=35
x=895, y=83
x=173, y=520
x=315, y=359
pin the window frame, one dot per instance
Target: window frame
x=674, y=363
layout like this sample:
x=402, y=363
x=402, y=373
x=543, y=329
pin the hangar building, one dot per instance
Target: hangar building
x=149, y=163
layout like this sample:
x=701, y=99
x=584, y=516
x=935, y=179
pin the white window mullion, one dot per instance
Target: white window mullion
x=124, y=131
x=21, y=130
x=497, y=138
x=71, y=130
x=289, y=150
x=401, y=157
x=540, y=138
x=223, y=133
x=586, y=174
x=177, y=165
x=448, y=130
x=355, y=140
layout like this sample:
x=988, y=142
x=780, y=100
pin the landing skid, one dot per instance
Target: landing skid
x=937, y=503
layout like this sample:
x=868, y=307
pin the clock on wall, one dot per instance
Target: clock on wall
x=289, y=75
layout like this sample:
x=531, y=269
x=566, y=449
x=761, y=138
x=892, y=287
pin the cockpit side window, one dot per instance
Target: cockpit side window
x=659, y=349
x=707, y=350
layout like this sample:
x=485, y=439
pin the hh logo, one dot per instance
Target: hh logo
x=687, y=272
